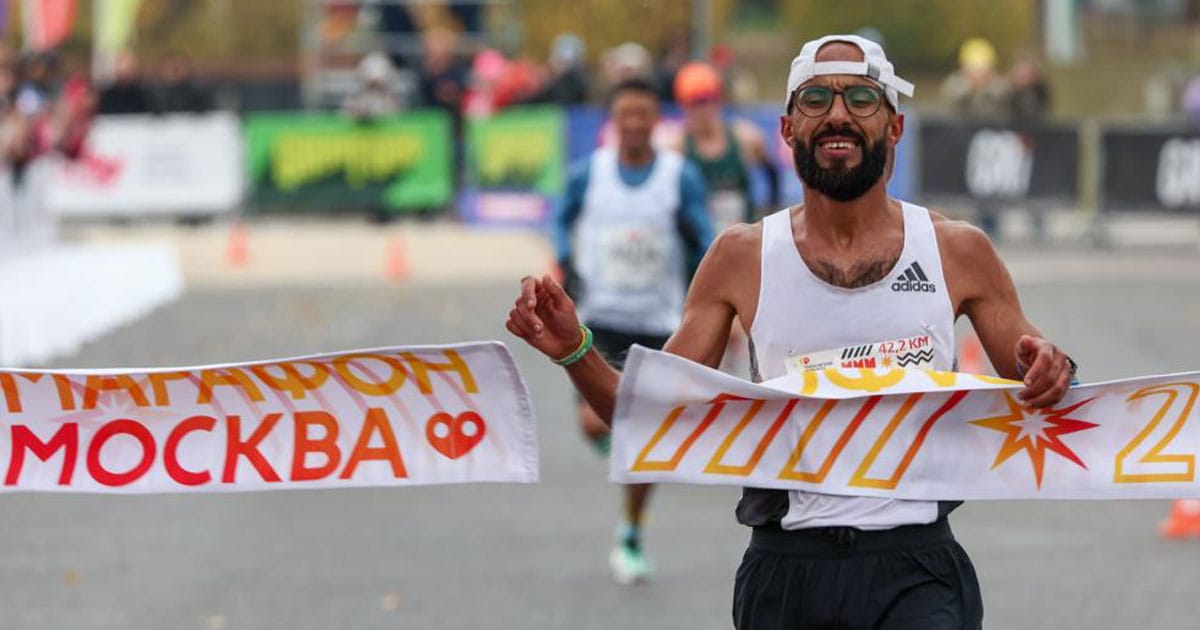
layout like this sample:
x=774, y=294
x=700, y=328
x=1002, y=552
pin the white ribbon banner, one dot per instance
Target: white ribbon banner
x=908, y=434
x=385, y=417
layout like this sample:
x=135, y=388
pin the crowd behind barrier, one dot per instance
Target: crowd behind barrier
x=515, y=163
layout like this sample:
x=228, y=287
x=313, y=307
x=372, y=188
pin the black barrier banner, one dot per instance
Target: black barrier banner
x=1150, y=169
x=980, y=161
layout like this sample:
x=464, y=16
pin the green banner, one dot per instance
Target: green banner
x=401, y=162
x=518, y=149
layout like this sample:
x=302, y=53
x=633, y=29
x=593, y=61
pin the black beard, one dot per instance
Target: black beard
x=840, y=184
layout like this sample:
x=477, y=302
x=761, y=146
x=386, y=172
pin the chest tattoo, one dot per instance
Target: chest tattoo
x=859, y=275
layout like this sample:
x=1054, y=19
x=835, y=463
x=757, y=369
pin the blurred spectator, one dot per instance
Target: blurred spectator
x=1164, y=89
x=676, y=51
x=8, y=79
x=626, y=61
x=34, y=83
x=1190, y=103
x=443, y=76
x=8, y=84
x=178, y=90
x=13, y=130
x=374, y=98
x=469, y=16
x=1029, y=96
x=497, y=82
x=126, y=94
x=37, y=120
x=740, y=86
x=975, y=90
x=567, y=83
x=873, y=34
x=481, y=97
x=396, y=21
x=521, y=82
x=63, y=127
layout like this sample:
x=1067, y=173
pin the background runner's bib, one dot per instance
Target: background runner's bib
x=727, y=179
x=630, y=254
x=633, y=258
x=802, y=321
x=727, y=207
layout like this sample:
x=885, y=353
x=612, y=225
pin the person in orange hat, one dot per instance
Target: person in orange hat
x=724, y=150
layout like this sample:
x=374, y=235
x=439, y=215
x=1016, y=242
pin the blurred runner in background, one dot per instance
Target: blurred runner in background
x=630, y=233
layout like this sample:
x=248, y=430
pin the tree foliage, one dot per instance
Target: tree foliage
x=224, y=30
x=926, y=33
x=601, y=23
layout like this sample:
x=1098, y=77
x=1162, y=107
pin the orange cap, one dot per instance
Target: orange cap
x=697, y=81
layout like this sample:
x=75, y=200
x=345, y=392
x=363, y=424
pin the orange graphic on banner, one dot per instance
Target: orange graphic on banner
x=789, y=471
x=455, y=436
x=1155, y=455
x=860, y=478
x=866, y=381
x=643, y=464
x=1035, y=431
x=716, y=467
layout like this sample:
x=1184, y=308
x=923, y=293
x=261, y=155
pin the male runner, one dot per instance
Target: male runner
x=630, y=233
x=851, y=266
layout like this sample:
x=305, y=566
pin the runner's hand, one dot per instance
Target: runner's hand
x=544, y=316
x=1047, y=371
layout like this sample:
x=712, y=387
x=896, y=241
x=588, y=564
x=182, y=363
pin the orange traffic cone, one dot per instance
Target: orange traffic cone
x=237, y=253
x=971, y=353
x=395, y=266
x=1183, y=521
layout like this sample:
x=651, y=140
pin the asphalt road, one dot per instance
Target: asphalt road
x=494, y=556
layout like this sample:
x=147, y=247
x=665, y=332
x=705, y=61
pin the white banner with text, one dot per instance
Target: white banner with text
x=908, y=434
x=386, y=417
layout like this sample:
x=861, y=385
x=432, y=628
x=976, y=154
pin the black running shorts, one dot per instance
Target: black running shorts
x=914, y=577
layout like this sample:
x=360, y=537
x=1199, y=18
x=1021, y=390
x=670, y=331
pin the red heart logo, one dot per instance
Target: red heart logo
x=455, y=436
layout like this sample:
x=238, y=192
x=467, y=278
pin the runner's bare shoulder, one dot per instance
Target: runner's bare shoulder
x=734, y=257
x=969, y=258
x=960, y=240
x=739, y=240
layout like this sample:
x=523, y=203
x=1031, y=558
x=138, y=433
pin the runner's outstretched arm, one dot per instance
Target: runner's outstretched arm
x=545, y=317
x=988, y=297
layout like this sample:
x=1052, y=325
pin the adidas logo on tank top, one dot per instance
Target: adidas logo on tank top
x=914, y=279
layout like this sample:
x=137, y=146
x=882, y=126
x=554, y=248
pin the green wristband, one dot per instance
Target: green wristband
x=584, y=346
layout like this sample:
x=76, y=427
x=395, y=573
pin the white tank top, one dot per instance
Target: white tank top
x=897, y=320
x=630, y=255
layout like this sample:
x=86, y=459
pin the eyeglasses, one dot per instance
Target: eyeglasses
x=817, y=100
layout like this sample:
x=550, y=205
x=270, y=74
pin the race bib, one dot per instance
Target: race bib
x=905, y=352
x=726, y=207
x=633, y=258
